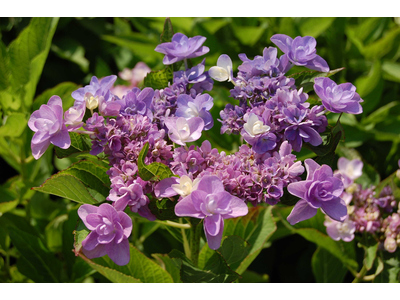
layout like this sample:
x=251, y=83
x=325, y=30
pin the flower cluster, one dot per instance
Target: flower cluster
x=272, y=116
x=378, y=215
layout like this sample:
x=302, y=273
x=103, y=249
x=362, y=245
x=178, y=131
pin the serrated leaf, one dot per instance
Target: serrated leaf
x=255, y=228
x=67, y=186
x=163, y=209
x=78, y=145
x=159, y=79
x=80, y=233
x=234, y=250
x=139, y=267
x=169, y=265
x=39, y=263
x=14, y=126
x=153, y=171
x=305, y=79
x=327, y=268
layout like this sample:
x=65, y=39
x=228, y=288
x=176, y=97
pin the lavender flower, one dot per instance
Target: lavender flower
x=49, y=127
x=350, y=170
x=340, y=230
x=320, y=190
x=338, y=98
x=181, y=47
x=109, y=234
x=301, y=51
x=173, y=186
x=212, y=203
x=182, y=131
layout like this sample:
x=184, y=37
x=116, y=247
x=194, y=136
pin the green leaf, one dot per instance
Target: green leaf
x=391, y=71
x=71, y=50
x=4, y=67
x=80, y=233
x=54, y=232
x=14, y=126
x=93, y=176
x=154, y=171
x=140, y=268
x=216, y=270
x=249, y=276
x=38, y=263
x=159, y=79
x=8, y=200
x=255, y=228
x=163, y=209
x=234, y=250
x=78, y=145
x=249, y=35
x=63, y=90
x=169, y=265
x=67, y=186
x=28, y=54
x=327, y=268
x=168, y=32
x=315, y=26
x=381, y=47
x=305, y=79
x=370, y=246
x=391, y=268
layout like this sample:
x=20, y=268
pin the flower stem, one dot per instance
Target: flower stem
x=195, y=234
x=173, y=224
x=360, y=275
x=186, y=247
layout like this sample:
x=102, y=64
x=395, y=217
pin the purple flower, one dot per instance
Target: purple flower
x=110, y=232
x=48, y=125
x=182, y=47
x=182, y=131
x=301, y=51
x=173, y=186
x=338, y=98
x=212, y=203
x=350, y=170
x=193, y=75
x=320, y=190
x=137, y=102
x=340, y=230
x=132, y=196
x=198, y=107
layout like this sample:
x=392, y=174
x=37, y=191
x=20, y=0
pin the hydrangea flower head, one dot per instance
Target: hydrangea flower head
x=223, y=71
x=338, y=98
x=321, y=189
x=212, y=203
x=49, y=127
x=197, y=107
x=109, y=234
x=182, y=47
x=301, y=51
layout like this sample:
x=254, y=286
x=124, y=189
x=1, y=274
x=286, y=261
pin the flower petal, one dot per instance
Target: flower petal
x=119, y=253
x=301, y=211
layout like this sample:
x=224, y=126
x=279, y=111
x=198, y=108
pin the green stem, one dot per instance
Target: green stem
x=186, y=247
x=173, y=224
x=195, y=234
x=360, y=275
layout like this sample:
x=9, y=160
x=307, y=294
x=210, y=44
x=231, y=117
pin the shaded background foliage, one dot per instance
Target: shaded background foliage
x=368, y=48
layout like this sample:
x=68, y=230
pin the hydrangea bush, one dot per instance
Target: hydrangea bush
x=147, y=163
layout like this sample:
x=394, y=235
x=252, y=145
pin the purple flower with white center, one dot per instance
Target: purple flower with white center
x=181, y=47
x=300, y=131
x=338, y=98
x=340, y=230
x=212, y=203
x=197, y=107
x=49, y=127
x=301, y=51
x=90, y=94
x=109, y=234
x=173, y=186
x=74, y=116
x=182, y=131
x=223, y=71
x=350, y=170
x=257, y=134
x=321, y=189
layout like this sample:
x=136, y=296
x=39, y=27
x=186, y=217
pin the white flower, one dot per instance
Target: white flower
x=185, y=186
x=223, y=71
x=91, y=101
x=254, y=126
